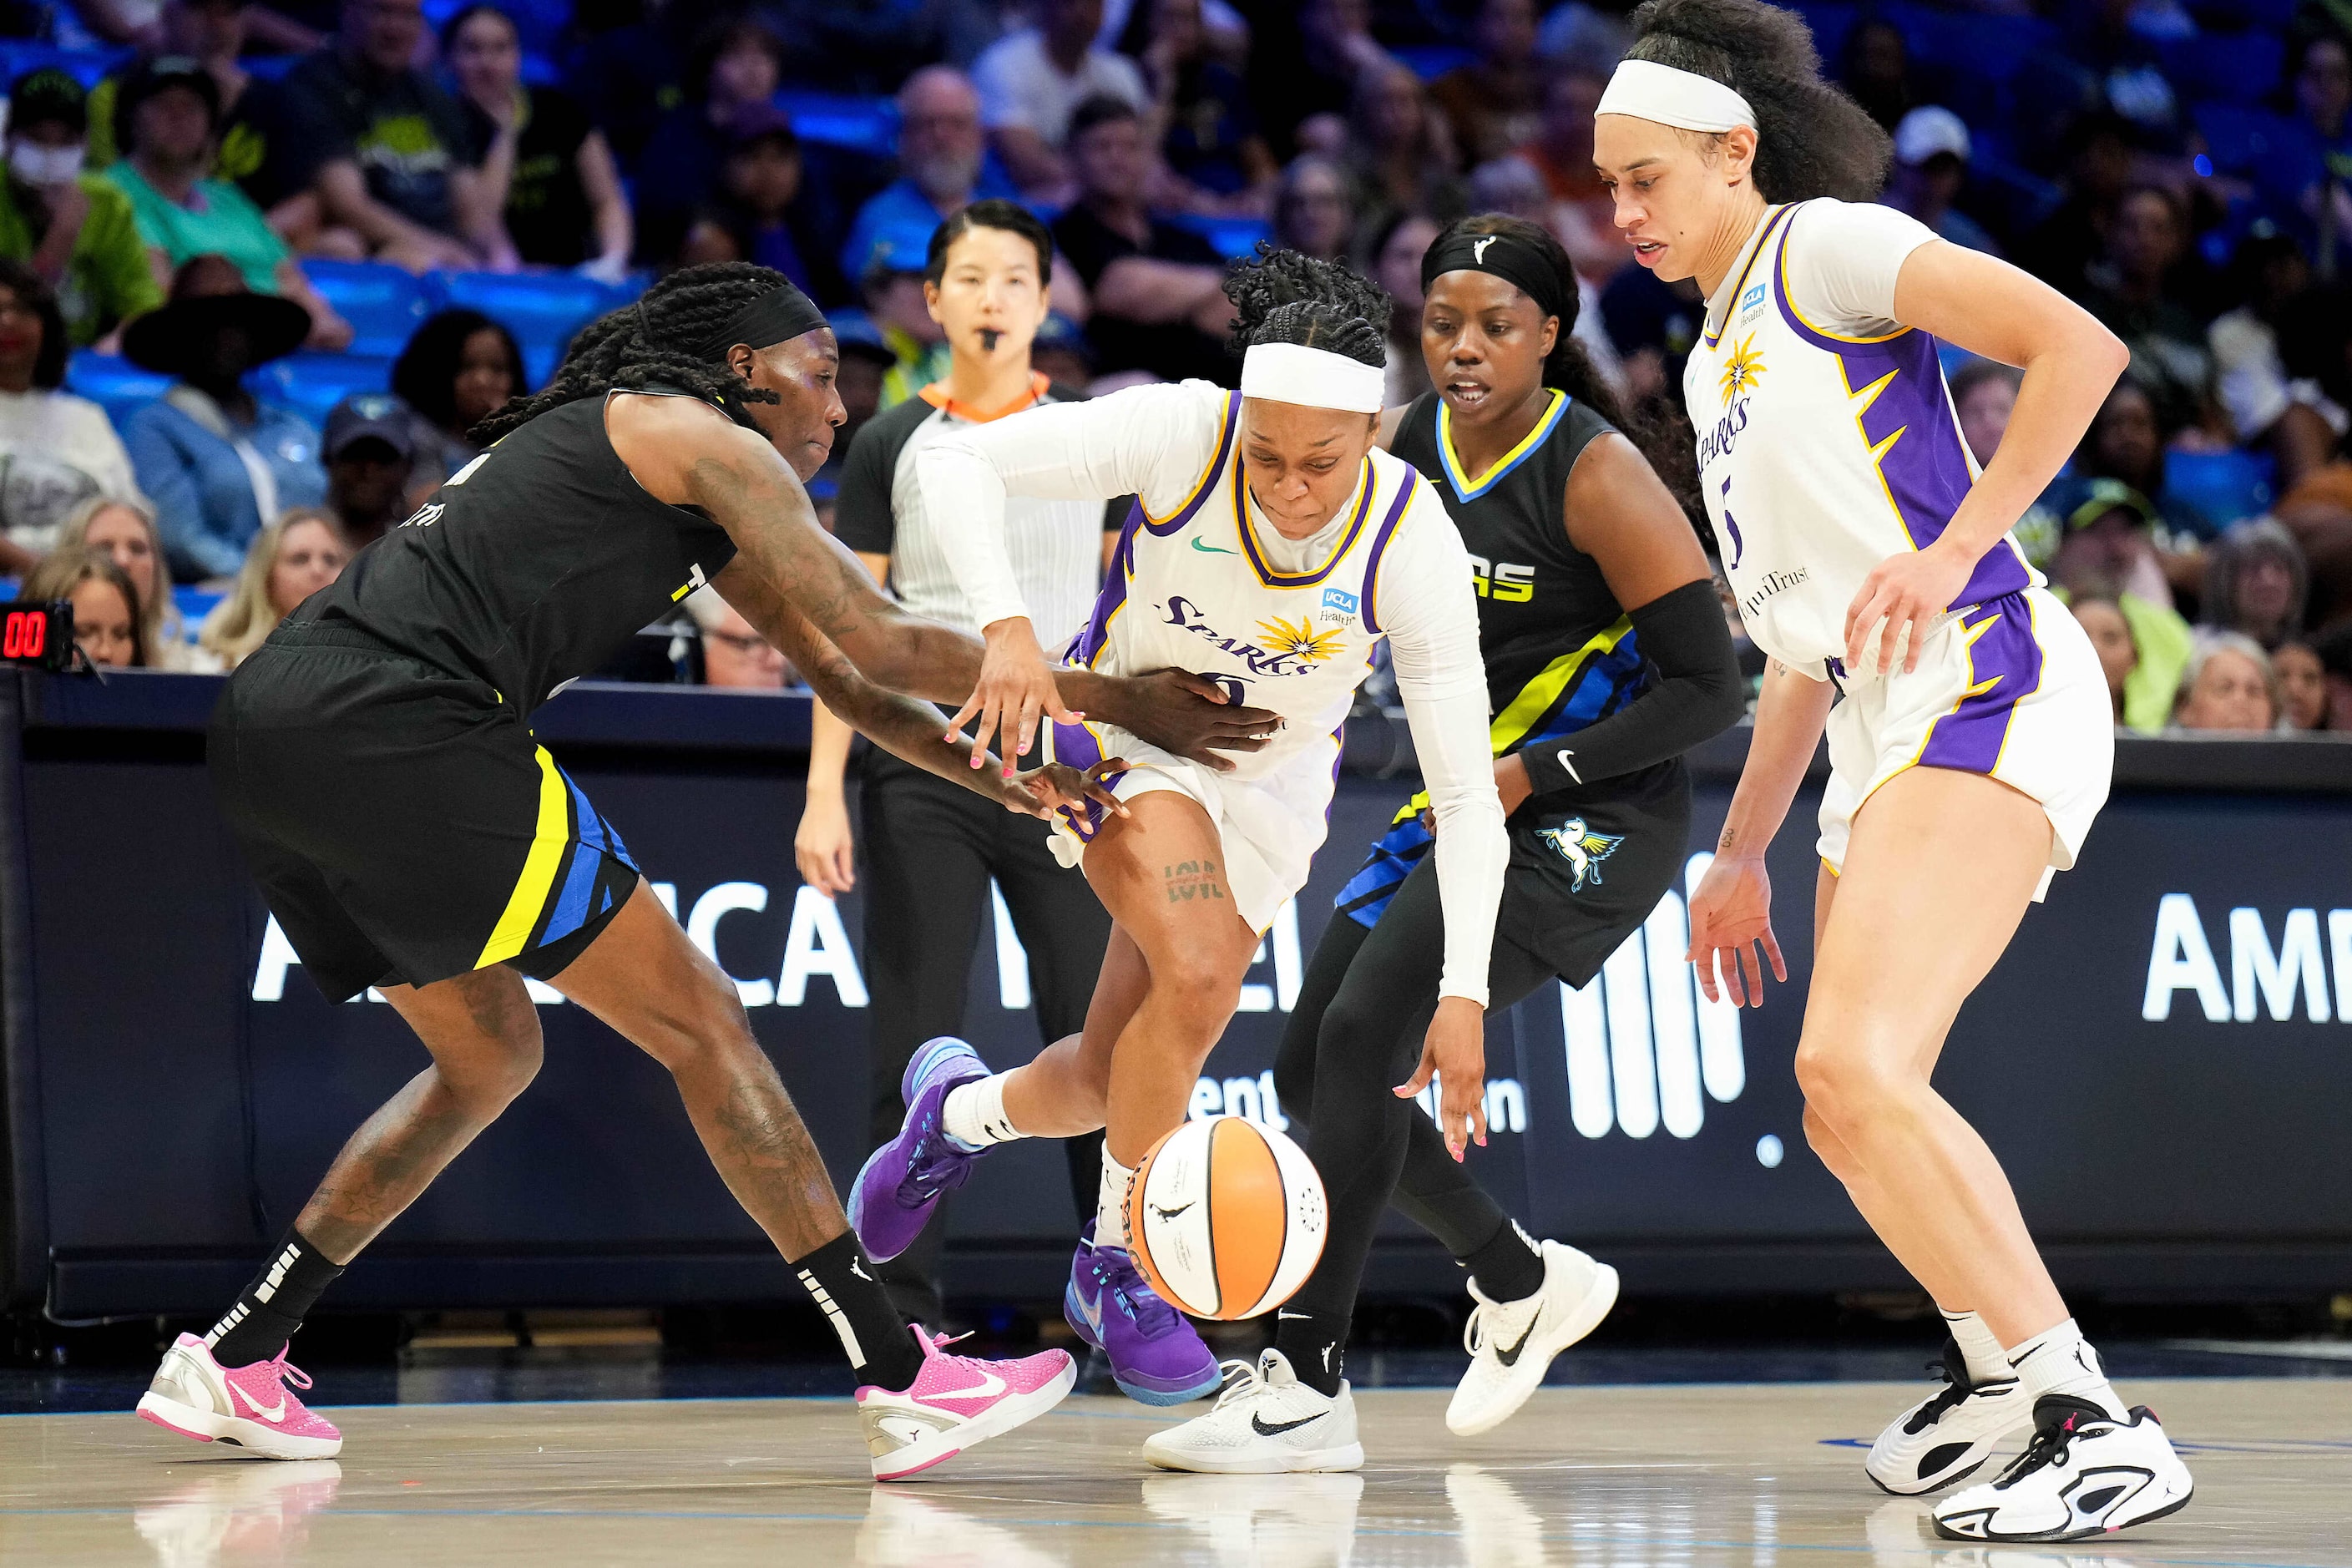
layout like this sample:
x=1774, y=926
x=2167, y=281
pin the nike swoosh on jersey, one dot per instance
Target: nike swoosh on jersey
x=1213, y=549
x=1258, y=1423
x=1564, y=755
x=1511, y=1357
x=989, y=1386
x=266, y=1413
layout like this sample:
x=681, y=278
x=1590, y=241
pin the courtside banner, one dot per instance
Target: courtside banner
x=2161, y=1061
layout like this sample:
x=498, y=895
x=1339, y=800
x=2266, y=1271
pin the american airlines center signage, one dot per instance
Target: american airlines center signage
x=2162, y=1061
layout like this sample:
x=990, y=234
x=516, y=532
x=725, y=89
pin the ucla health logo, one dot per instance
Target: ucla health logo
x=1340, y=599
x=1645, y=1047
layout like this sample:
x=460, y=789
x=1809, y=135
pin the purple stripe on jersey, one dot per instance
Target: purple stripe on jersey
x=1085, y=647
x=1380, y=543
x=1908, y=422
x=1208, y=479
x=2004, y=669
x=1075, y=745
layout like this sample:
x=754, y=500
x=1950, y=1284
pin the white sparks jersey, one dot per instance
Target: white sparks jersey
x=1195, y=589
x=1827, y=440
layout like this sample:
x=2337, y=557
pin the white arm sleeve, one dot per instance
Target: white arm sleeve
x=1424, y=602
x=1843, y=259
x=1149, y=441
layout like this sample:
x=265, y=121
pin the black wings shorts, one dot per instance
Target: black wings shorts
x=403, y=825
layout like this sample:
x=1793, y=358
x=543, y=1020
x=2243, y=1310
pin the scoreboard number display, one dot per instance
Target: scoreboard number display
x=39, y=634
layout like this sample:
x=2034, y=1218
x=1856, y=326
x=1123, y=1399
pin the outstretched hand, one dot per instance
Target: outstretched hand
x=1015, y=688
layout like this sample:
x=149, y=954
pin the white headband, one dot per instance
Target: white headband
x=1315, y=378
x=1684, y=100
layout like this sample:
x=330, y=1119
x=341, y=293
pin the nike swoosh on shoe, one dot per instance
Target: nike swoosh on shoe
x=266, y=1413
x=1511, y=1357
x=1258, y=1423
x=989, y=1386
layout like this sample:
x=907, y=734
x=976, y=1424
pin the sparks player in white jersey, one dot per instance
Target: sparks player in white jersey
x=1970, y=740
x=1273, y=544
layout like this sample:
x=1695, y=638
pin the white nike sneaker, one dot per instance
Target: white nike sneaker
x=1265, y=1422
x=1948, y=1434
x=1511, y=1343
x=2084, y=1474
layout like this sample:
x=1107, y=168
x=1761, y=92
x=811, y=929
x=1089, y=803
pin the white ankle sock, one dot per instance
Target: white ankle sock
x=2061, y=1361
x=1110, y=1203
x=1986, y=1364
x=973, y=1114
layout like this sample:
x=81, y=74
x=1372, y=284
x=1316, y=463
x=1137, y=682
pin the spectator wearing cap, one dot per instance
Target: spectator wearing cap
x=944, y=164
x=2109, y=541
x=370, y=447
x=1493, y=101
x=392, y=156
x=2230, y=686
x=892, y=286
x=1032, y=81
x=169, y=111
x=56, y=450
x=215, y=460
x=2256, y=582
x=458, y=369
x=557, y=189
x=75, y=231
x=757, y=212
x=1931, y=164
x=251, y=147
x=1158, y=290
x=735, y=64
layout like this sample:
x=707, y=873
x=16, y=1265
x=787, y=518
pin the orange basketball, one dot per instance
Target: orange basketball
x=1225, y=1218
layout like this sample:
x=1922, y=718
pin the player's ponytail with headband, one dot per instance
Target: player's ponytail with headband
x=1811, y=140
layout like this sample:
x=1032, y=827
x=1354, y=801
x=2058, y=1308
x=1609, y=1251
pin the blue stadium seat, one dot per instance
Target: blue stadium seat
x=194, y=604
x=543, y=310
x=311, y=383
x=1430, y=61
x=2223, y=68
x=862, y=124
x=85, y=65
x=1233, y=238
x=540, y=22
x=2227, y=486
x=383, y=303
x=113, y=383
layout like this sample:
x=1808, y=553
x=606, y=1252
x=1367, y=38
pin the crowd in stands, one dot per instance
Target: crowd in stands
x=262, y=267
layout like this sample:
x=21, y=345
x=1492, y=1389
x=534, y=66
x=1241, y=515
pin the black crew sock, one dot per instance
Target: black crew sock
x=880, y=1346
x=1508, y=1268
x=1316, y=1345
x=269, y=1310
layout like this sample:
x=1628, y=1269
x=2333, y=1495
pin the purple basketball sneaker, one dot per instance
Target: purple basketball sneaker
x=1155, y=1354
x=900, y=1183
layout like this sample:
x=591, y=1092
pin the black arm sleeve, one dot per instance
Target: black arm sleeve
x=1698, y=693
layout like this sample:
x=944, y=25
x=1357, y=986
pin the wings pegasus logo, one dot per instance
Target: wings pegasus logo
x=1743, y=370
x=1582, y=848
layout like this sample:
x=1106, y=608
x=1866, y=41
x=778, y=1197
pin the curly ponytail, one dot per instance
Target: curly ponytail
x=1811, y=140
x=1285, y=297
x=651, y=340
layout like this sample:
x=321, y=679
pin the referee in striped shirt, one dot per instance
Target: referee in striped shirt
x=932, y=848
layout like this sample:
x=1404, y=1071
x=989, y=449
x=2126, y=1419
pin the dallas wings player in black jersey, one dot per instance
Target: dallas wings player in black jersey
x=375, y=761
x=1607, y=656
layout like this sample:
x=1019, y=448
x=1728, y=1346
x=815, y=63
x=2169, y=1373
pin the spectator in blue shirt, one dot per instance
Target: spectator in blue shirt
x=215, y=462
x=944, y=164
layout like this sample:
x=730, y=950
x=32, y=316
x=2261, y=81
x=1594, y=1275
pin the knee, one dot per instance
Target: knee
x=1196, y=988
x=699, y=1025
x=1845, y=1089
x=492, y=1080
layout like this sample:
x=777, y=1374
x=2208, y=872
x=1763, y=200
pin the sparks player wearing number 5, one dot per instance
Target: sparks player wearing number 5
x=1272, y=546
x=1970, y=742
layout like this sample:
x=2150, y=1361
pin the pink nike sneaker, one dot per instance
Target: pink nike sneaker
x=955, y=1402
x=250, y=1407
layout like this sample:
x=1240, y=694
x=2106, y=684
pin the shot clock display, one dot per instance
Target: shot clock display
x=37, y=633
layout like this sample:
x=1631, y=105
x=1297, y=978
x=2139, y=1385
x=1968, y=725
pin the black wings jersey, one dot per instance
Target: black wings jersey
x=532, y=566
x=1559, y=650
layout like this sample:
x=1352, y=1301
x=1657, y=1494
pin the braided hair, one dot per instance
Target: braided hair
x=1285, y=297
x=653, y=340
x=1670, y=452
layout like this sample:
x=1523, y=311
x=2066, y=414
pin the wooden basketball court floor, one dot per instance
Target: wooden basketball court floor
x=1692, y=1475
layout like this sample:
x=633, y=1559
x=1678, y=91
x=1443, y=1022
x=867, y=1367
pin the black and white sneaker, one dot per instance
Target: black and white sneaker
x=2084, y=1474
x=1948, y=1436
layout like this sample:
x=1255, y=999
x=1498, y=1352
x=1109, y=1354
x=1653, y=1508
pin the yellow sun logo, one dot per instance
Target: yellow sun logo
x=1300, y=641
x=1743, y=370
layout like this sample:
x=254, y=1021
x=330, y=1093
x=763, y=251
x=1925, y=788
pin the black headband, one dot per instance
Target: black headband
x=1507, y=257
x=780, y=315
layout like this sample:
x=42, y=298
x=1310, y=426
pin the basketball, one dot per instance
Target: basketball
x=1225, y=1218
